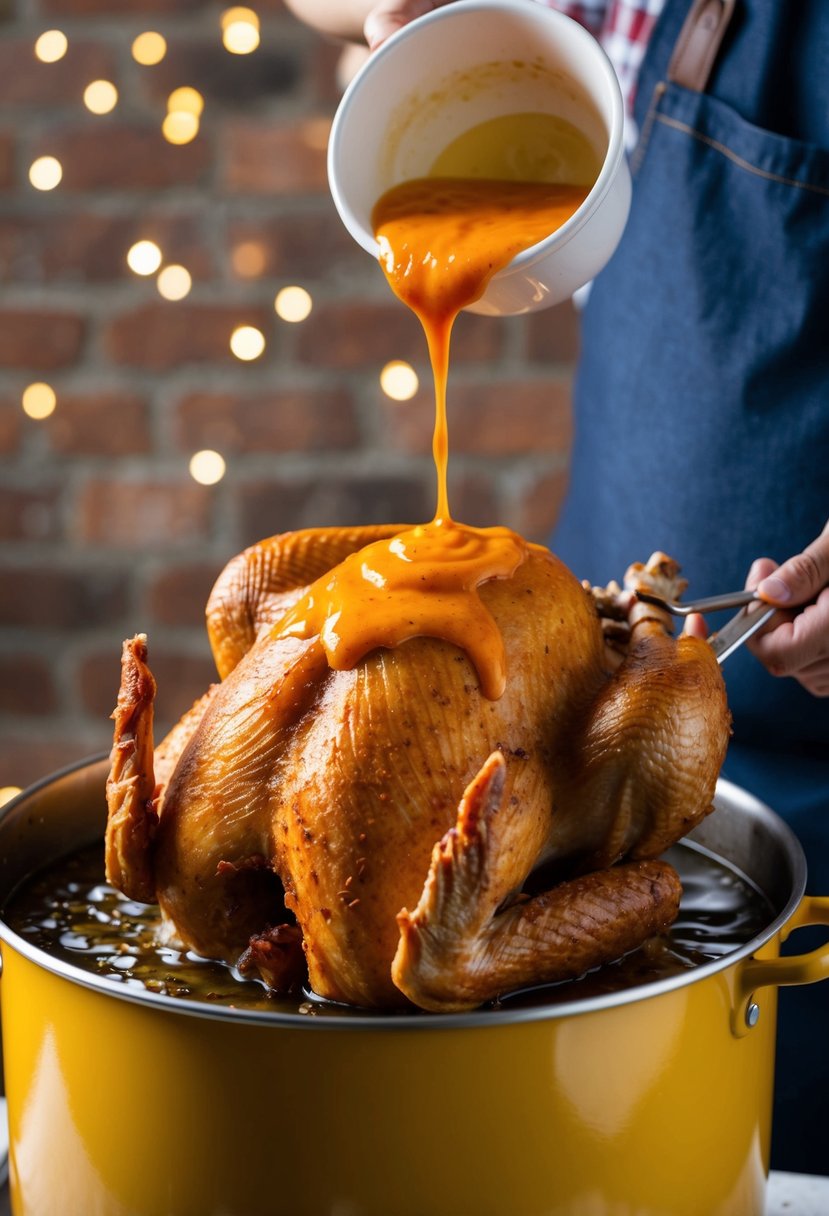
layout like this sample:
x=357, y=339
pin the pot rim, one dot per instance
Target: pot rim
x=738, y=797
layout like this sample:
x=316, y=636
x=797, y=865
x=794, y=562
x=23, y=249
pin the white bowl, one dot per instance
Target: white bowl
x=461, y=65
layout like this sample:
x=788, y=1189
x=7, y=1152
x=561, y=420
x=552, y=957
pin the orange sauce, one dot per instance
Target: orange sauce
x=441, y=241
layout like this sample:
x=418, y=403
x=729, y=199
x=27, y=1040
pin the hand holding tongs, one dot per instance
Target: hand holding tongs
x=739, y=629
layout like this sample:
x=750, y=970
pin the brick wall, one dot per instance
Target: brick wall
x=103, y=531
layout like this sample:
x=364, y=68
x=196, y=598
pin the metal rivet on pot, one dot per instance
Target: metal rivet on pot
x=752, y=1014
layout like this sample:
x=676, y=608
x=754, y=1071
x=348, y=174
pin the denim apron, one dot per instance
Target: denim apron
x=702, y=410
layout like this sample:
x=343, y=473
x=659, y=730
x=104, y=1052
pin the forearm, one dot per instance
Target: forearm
x=336, y=18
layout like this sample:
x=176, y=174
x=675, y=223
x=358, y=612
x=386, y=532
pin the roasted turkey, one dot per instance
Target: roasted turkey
x=377, y=825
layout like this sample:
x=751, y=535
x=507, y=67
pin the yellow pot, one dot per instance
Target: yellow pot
x=651, y=1102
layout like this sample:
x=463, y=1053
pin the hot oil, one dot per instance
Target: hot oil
x=70, y=912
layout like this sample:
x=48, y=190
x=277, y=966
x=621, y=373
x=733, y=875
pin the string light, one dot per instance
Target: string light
x=149, y=48
x=180, y=127
x=185, y=101
x=101, y=96
x=7, y=792
x=207, y=467
x=240, y=30
x=247, y=342
x=51, y=46
x=45, y=173
x=399, y=381
x=248, y=259
x=174, y=282
x=293, y=304
x=144, y=257
x=39, y=400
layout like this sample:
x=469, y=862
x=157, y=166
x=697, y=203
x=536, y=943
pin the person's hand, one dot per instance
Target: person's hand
x=796, y=643
x=391, y=15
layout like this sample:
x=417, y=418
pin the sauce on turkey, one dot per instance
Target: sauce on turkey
x=441, y=240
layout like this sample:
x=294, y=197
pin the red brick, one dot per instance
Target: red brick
x=290, y=420
x=225, y=81
x=177, y=595
x=26, y=685
x=181, y=679
x=41, y=340
x=534, y=510
x=88, y=247
x=271, y=157
x=512, y=418
x=28, y=515
x=6, y=160
x=163, y=336
x=11, y=426
x=115, y=8
x=26, y=758
x=142, y=515
x=46, y=597
x=99, y=424
x=473, y=498
x=306, y=245
x=117, y=156
x=27, y=81
x=553, y=334
x=353, y=334
x=360, y=498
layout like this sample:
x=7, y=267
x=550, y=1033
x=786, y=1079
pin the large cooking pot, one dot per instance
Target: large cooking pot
x=656, y=1100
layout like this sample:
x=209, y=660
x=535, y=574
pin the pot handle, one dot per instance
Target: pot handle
x=797, y=969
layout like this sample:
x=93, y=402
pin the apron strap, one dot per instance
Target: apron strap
x=699, y=42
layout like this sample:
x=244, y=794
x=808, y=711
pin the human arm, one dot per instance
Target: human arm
x=797, y=643
x=358, y=20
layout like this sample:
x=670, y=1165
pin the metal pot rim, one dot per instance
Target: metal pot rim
x=732, y=795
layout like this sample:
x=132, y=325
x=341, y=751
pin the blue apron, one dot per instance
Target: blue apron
x=702, y=410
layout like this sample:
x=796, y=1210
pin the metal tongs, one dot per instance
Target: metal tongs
x=742, y=626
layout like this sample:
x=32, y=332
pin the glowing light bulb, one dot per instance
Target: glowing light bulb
x=51, y=46
x=248, y=259
x=180, y=127
x=39, y=400
x=185, y=100
x=293, y=304
x=174, y=282
x=149, y=48
x=144, y=257
x=240, y=30
x=247, y=342
x=45, y=173
x=399, y=381
x=7, y=792
x=207, y=467
x=101, y=96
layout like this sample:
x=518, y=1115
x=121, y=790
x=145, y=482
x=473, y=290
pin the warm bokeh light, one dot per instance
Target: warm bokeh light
x=45, y=173
x=174, y=282
x=399, y=381
x=293, y=304
x=315, y=133
x=248, y=259
x=185, y=100
x=39, y=400
x=51, y=46
x=240, y=30
x=207, y=467
x=180, y=127
x=144, y=257
x=247, y=342
x=149, y=48
x=7, y=792
x=101, y=96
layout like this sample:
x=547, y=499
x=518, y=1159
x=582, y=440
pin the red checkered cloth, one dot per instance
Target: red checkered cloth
x=623, y=28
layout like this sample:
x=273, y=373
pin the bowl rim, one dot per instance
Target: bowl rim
x=528, y=257
x=737, y=798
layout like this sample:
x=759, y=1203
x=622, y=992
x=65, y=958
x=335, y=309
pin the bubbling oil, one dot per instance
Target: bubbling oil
x=70, y=912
